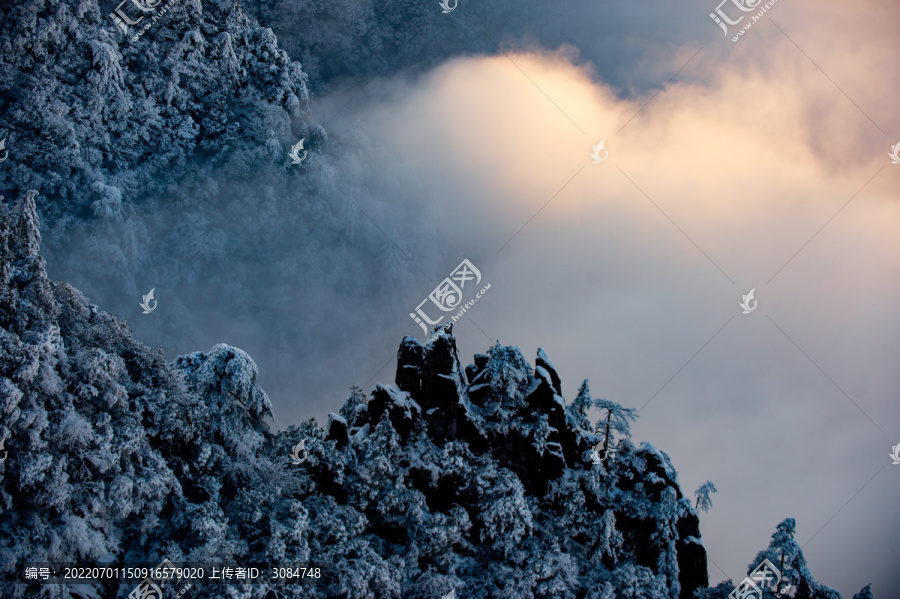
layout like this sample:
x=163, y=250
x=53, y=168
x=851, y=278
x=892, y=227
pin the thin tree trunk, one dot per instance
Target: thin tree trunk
x=606, y=440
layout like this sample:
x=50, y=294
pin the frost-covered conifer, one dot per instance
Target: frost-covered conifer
x=576, y=412
x=704, y=501
x=864, y=593
x=614, y=418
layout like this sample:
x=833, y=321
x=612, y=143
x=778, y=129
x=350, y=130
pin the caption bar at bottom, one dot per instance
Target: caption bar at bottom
x=173, y=573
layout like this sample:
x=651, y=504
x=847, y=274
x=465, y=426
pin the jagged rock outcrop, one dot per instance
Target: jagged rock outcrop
x=500, y=406
x=336, y=429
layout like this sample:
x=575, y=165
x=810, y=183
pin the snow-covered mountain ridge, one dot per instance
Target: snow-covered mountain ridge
x=474, y=479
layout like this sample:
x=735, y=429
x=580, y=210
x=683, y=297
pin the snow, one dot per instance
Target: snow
x=542, y=355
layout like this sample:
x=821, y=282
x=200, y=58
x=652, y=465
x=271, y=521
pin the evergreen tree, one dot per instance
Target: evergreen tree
x=353, y=404
x=704, y=502
x=785, y=553
x=576, y=412
x=617, y=420
x=865, y=593
x=611, y=540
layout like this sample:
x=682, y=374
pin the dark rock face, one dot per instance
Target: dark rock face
x=402, y=411
x=692, y=572
x=434, y=379
x=337, y=430
x=478, y=379
x=409, y=365
x=442, y=382
x=544, y=362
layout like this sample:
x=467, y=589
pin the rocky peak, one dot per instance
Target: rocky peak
x=443, y=383
x=505, y=410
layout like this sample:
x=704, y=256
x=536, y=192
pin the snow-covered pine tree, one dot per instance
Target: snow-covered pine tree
x=865, y=593
x=576, y=412
x=354, y=403
x=786, y=554
x=704, y=501
x=609, y=543
x=617, y=418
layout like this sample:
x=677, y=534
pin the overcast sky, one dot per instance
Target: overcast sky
x=762, y=164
